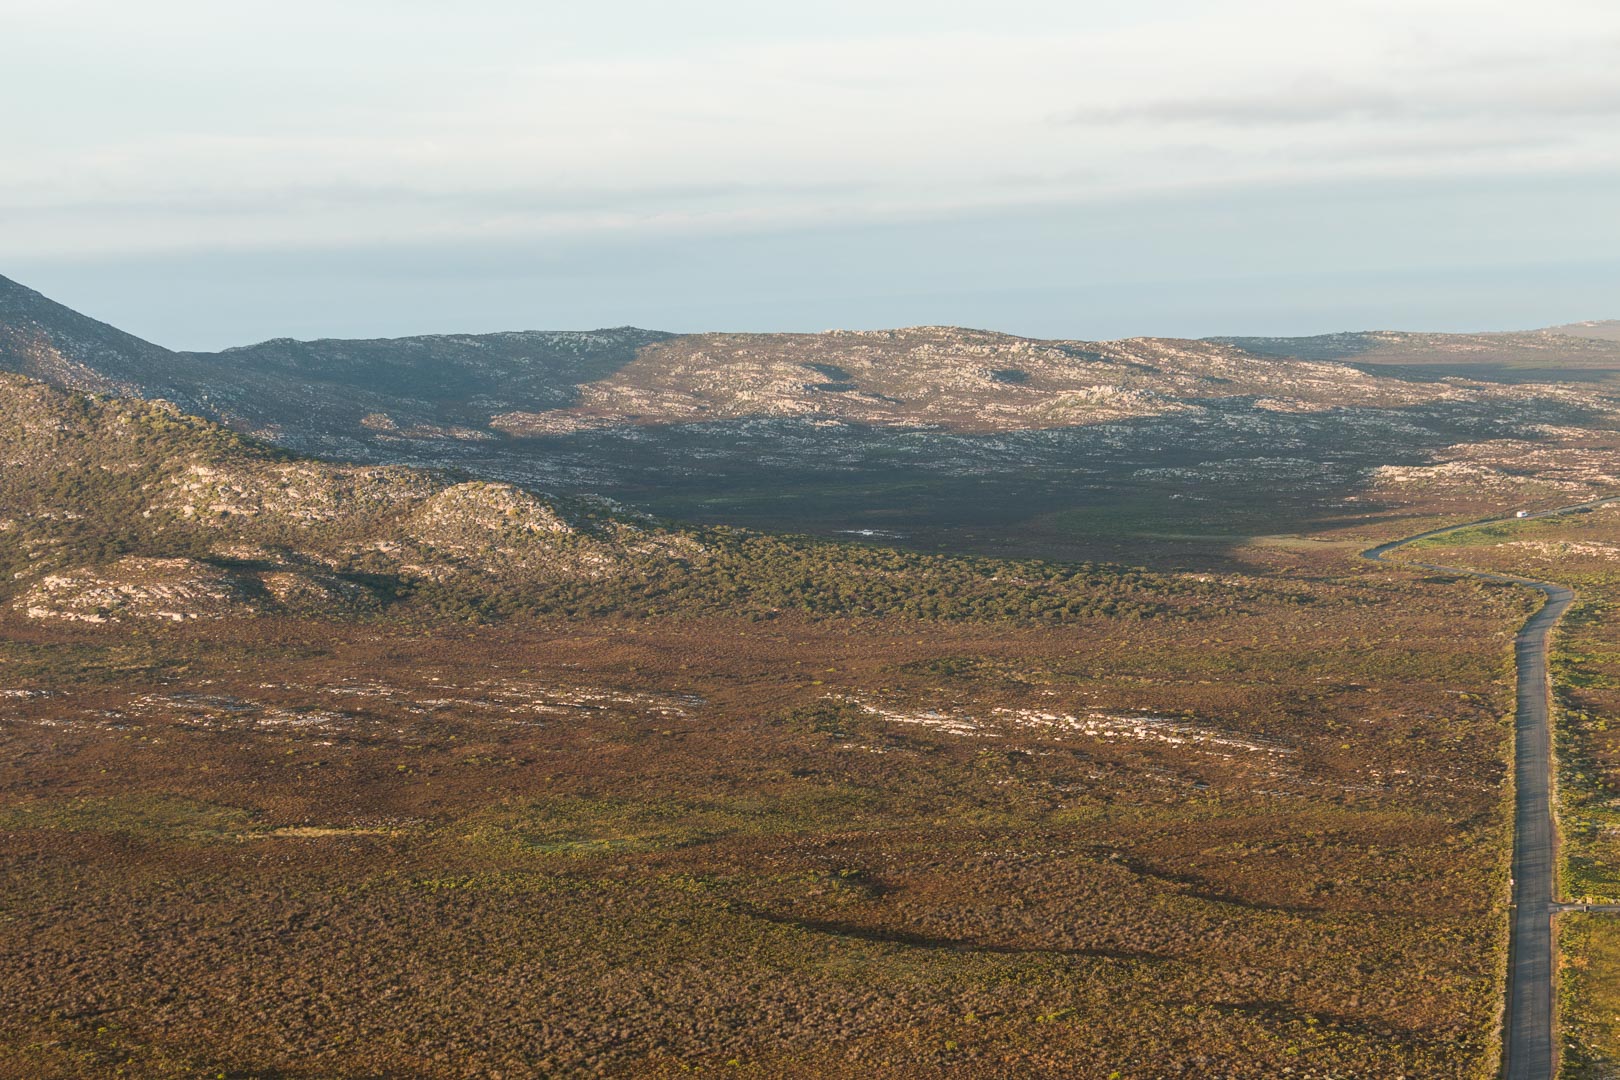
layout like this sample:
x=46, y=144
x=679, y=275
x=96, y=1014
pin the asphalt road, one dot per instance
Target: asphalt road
x=1530, y=1049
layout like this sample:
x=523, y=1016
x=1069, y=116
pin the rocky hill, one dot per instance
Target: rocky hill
x=929, y=430
x=120, y=509
x=41, y=338
x=394, y=397
x=367, y=398
x=337, y=397
x=952, y=379
x=1601, y=329
x=1552, y=355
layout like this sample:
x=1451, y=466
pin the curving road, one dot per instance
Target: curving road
x=1530, y=1050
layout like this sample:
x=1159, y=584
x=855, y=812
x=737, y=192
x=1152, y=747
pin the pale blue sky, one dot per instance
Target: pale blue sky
x=208, y=174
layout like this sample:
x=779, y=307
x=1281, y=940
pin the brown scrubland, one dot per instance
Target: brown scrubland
x=1132, y=768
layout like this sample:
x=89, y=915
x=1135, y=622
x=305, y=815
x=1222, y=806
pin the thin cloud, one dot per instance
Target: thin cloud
x=1309, y=103
x=248, y=130
x=208, y=201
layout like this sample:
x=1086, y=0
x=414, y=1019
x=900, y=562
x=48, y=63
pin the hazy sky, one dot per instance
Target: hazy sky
x=208, y=173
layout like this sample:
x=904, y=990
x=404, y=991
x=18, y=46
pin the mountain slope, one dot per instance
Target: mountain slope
x=945, y=377
x=41, y=338
x=977, y=441
x=1600, y=329
x=115, y=509
x=342, y=398
x=1549, y=355
x=392, y=398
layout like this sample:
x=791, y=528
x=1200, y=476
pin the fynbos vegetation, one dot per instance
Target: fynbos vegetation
x=352, y=768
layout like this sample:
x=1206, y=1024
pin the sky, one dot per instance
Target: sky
x=208, y=174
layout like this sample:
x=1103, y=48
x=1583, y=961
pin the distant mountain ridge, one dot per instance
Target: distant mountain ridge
x=365, y=398
x=316, y=395
x=48, y=341
x=1600, y=330
x=852, y=430
x=535, y=365
x=1555, y=349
